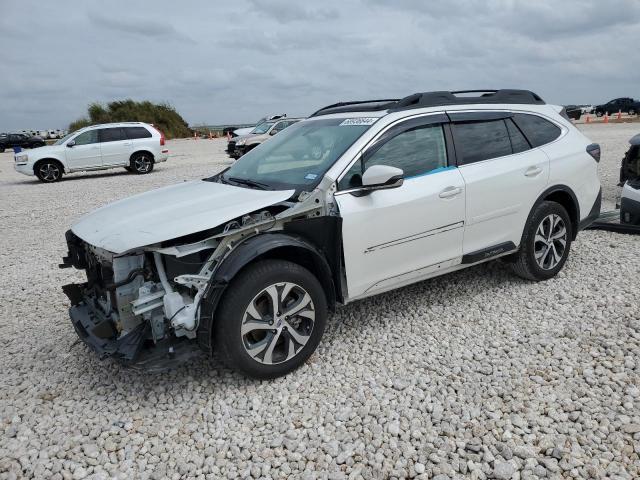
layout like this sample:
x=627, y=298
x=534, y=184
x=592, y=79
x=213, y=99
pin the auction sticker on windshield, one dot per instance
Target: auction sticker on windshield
x=359, y=121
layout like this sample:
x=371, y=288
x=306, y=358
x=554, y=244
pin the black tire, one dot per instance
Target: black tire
x=540, y=259
x=141, y=163
x=48, y=171
x=232, y=346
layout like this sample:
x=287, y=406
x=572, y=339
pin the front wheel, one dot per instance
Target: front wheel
x=142, y=163
x=271, y=319
x=48, y=171
x=545, y=243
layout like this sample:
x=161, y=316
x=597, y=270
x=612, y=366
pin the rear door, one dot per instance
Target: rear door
x=84, y=152
x=116, y=147
x=503, y=178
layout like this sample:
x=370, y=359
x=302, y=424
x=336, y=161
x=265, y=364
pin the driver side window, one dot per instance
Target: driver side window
x=417, y=152
x=86, y=138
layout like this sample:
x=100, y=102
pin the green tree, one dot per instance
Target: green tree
x=163, y=116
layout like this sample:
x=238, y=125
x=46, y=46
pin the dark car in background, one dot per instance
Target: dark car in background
x=623, y=104
x=21, y=140
x=573, y=111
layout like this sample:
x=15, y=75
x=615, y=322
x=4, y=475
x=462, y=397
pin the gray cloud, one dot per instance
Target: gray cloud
x=237, y=61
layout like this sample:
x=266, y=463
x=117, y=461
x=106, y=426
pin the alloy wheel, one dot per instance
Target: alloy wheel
x=142, y=163
x=550, y=241
x=278, y=323
x=49, y=172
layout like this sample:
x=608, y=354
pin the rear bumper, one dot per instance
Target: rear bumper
x=162, y=157
x=594, y=213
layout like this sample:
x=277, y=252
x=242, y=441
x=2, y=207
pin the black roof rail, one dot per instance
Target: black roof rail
x=358, y=106
x=462, y=97
x=436, y=99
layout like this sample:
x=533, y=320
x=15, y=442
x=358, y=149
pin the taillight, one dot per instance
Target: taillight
x=161, y=134
x=594, y=151
x=162, y=142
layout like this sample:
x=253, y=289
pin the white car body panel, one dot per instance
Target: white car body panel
x=170, y=212
x=243, y=131
x=500, y=193
x=391, y=232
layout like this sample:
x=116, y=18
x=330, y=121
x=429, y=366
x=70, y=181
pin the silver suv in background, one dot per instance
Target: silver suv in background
x=238, y=146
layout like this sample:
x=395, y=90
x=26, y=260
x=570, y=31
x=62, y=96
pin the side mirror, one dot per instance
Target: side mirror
x=380, y=177
x=273, y=132
x=71, y=144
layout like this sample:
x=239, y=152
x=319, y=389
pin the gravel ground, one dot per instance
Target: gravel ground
x=477, y=374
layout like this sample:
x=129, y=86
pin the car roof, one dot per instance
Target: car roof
x=115, y=124
x=436, y=99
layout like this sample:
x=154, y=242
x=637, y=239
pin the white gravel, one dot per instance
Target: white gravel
x=474, y=375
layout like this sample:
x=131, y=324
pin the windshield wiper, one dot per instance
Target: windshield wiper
x=250, y=183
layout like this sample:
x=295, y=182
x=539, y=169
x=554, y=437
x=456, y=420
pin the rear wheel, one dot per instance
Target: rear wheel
x=142, y=163
x=545, y=243
x=48, y=171
x=271, y=319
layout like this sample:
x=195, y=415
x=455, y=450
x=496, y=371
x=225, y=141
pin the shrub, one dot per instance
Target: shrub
x=162, y=115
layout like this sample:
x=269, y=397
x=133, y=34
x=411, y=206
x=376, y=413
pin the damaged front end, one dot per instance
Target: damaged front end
x=143, y=306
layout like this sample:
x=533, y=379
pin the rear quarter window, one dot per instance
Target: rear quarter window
x=137, y=132
x=537, y=130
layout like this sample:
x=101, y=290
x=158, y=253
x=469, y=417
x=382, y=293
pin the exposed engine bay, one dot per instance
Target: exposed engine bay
x=148, y=302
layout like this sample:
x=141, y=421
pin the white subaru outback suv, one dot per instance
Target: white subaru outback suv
x=249, y=262
x=135, y=146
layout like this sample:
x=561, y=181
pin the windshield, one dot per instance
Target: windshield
x=64, y=139
x=263, y=127
x=298, y=156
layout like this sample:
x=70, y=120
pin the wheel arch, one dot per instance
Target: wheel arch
x=566, y=197
x=142, y=150
x=282, y=246
x=54, y=159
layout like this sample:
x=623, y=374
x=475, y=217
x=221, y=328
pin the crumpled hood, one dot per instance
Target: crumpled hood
x=170, y=212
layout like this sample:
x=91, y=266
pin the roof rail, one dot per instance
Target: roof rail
x=436, y=99
x=462, y=97
x=358, y=106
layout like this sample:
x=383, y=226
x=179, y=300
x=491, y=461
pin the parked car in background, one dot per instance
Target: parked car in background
x=245, y=131
x=359, y=199
x=587, y=108
x=630, y=181
x=135, y=146
x=624, y=105
x=238, y=146
x=573, y=111
x=21, y=140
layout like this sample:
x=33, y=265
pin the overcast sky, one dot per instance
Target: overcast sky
x=234, y=61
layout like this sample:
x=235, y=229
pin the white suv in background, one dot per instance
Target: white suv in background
x=135, y=146
x=358, y=199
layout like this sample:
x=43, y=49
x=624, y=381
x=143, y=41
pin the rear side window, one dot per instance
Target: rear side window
x=111, y=134
x=518, y=142
x=137, y=132
x=537, y=130
x=477, y=141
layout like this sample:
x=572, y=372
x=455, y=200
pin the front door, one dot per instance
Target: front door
x=85, y=152
x=396, y=236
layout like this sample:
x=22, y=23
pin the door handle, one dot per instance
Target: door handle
x=532, y=172
x=450, y=192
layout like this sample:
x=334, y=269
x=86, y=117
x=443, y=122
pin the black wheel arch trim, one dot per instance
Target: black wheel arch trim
x=153, y=158
x=575, y=222
x=245, y=253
